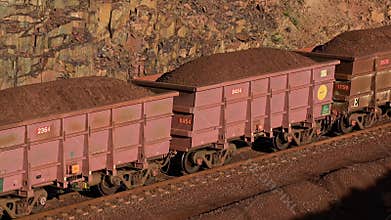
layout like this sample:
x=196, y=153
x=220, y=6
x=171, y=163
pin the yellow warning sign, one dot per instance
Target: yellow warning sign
x=322, y=92
x=75, y=169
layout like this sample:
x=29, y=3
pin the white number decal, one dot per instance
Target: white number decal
x=384, y=62
x=43, y=130
x=356, y=102
x=236, y=91
x=323, y=73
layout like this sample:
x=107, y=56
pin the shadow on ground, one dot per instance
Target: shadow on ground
x=371, y=203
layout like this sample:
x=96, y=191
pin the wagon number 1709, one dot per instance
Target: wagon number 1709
x=43, y=130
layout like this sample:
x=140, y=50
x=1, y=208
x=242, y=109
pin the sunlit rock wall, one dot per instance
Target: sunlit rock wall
x=42, y=40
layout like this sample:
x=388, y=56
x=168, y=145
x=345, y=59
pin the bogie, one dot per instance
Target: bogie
x=15, y=207
x=202, y=158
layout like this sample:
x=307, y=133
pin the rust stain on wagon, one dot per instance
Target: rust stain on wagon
x=98, y=121
x=160, y=131
x=157, y=108
x=8, y=140
x=126, y=116
x=77, y=126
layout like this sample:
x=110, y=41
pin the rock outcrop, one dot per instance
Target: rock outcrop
x=41, y=40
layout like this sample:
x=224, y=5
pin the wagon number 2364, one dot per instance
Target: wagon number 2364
x=43, y=130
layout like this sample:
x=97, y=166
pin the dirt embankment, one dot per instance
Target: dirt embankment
x=360, y=191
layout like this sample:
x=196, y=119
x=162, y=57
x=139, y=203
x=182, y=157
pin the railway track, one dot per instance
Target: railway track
x=73, y=197
x=97, y=205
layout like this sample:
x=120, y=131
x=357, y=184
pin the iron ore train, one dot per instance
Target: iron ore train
x=104, y=134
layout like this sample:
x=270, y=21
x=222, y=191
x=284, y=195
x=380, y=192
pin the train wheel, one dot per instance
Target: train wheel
x=2, y=213
x=107, y=186
x=369, y=120
x=345, y=125
x=40, y=200
x=281, y=141
x=230, y=153
x=188, y=165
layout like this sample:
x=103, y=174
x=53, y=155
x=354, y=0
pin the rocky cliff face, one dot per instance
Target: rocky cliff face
x=41, y=40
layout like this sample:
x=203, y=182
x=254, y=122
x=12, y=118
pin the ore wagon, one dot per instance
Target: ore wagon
x=269, y=93
x=362, y=91
x=79, y=133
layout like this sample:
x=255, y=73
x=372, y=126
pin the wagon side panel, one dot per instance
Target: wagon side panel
x=157, y=127
x=235, y=112
x=126, y=142
x=12, y=137
x=258, y=113
x=208, y=97
x=44, y=151
x=11, y=169
x=12, y=158
x=126, y=133
x=44, y=130
x=278, y=102
x=207, y=117
x=75, y=151
x=43, y=160
x=98, y=149
x=74, y=145
x=383, y=80
x=99, y=119
x=361, y=94
x=206, y=126
x=299, y=93
x=383, y=62
x=363, y=66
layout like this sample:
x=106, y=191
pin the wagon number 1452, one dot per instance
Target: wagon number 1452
x=43, y=130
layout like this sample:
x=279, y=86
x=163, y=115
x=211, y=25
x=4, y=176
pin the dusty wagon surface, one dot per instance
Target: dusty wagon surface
x=79, y=133
x=362, y=90
x=262, y=92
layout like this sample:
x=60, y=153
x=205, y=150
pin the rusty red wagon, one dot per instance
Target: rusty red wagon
x=243, y=95
x=79, y=133
x=362, y=90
